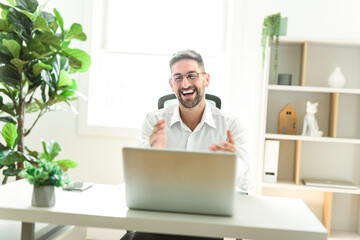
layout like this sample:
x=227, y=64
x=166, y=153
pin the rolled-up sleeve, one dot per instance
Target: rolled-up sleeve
x=245, y=170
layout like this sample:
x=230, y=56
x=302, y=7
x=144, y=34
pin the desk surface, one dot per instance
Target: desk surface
x=256, y=217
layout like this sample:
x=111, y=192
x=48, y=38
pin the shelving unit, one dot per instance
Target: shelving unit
x=336, y=155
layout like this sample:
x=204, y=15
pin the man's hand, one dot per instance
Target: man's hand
x=158, y=136
x=228, y=146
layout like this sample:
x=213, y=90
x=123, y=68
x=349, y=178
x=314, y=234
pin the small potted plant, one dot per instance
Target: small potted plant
x=273, y=27
x=45, y=176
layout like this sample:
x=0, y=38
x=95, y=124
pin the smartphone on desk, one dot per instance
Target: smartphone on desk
x=78, y=186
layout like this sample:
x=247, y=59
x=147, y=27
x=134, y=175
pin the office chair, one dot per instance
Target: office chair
x=169, y=99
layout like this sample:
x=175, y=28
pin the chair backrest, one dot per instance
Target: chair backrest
x=169, y=99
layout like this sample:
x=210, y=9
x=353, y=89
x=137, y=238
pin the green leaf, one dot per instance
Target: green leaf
x=70, y=90
x=13, y=47
x=9, y=157
x=4, y=13
x=79, y=60
x=9, y=132
x=67, y=163
x=9, y=76
x=37, y=67
x=42, y=25
x=19, y=64
x=46, y=77
x=37, y=48
x=21, y=21
x=11, y=172
x=51, y=150
x=28, y=5
x=60, y=21
x=49, y=39
x=76, y=32
x=7, y=119
x=5, y=26
x=51, y=20
x=12, y=2
x=64, y=79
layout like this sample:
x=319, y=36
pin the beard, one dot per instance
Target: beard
x=190, y=103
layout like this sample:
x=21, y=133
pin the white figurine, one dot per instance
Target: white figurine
x=311, y=127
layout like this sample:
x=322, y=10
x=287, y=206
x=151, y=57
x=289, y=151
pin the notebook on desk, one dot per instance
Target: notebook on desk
x=180, y=181
x=329, y=183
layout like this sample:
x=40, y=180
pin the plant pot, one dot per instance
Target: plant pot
x=283, y=26
x=284, y=79
x=43, y=196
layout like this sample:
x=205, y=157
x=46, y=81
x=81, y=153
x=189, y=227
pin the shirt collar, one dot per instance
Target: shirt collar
x=206, y=118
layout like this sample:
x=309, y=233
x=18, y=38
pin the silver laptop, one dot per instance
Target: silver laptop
x=180, y=181
x=329, y=183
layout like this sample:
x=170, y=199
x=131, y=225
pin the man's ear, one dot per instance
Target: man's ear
x=207, y=79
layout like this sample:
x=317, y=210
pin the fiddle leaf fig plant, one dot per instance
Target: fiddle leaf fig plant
x=36, y=63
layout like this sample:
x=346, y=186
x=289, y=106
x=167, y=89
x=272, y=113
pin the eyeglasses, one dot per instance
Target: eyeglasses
x=191, y=77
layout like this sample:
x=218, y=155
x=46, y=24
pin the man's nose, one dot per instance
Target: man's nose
x=185, y=82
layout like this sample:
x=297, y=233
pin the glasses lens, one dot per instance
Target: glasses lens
x=177, y=78
x=192, y=76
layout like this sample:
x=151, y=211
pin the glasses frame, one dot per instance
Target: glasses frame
x=178, y=82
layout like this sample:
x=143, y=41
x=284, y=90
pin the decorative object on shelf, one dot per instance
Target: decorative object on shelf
x=273, y=26
x=336, y=79
x=37, y=61
x=284, y=79
x=271, y=160
x=287, y=120
x=311, y=127
x=44, y=175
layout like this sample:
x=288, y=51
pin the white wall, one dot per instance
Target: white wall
x=100, y=157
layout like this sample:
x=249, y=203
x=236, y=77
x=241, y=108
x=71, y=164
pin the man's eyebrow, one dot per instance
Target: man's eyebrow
x=179, y=74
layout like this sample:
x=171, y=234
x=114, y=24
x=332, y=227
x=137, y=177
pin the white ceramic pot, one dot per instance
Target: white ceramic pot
x=43, y=196
x=336, y=79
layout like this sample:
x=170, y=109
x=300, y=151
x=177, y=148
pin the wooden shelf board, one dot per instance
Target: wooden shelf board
x=343, y=235
x=301, y=186
x=287, y=39
x=313, y=89
x=312, y=139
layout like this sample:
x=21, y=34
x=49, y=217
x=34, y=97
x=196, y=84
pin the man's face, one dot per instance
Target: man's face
x=191, y=90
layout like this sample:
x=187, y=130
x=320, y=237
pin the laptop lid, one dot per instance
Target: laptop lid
x=180, y=181
x=329, y=183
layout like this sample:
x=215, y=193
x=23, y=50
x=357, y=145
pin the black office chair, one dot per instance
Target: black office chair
x=169, y=99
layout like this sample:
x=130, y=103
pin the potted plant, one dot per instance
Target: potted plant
x=45, y=176
x=36, y=61
x=273, y=27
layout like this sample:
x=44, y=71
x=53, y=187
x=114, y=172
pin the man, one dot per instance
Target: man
x=194, y=124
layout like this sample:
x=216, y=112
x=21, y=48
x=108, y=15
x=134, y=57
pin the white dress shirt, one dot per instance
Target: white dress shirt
x=211, y=129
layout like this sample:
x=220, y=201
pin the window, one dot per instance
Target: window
x=132, y=44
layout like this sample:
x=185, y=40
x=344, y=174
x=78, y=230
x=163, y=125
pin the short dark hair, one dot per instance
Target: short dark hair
x=187, y=54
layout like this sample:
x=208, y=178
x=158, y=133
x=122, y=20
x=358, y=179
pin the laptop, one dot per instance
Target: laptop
x=329, y=183
x=199, y=182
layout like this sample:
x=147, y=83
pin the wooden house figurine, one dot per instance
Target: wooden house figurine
x=287, y=120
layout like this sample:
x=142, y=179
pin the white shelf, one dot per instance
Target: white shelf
x=343, y=235
x=312, y=139
x=313, y=89
x=301, y=186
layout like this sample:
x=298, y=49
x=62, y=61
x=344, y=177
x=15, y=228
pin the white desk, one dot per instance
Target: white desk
x=103, y=206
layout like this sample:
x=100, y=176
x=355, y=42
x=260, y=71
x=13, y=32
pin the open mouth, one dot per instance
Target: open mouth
x=188, y=93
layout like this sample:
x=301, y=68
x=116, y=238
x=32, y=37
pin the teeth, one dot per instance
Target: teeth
x=187, y=92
